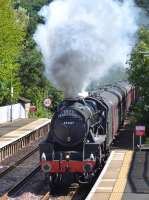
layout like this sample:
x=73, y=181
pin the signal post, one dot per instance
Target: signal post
x=139, y=131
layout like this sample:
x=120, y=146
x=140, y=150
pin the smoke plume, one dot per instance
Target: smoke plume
x=82, y=39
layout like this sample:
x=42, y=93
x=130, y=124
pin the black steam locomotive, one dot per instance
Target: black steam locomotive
x=81, y=133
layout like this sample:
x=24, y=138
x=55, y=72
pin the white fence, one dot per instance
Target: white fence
x=18, y=111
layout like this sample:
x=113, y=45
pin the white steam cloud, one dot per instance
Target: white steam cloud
x=82, y=39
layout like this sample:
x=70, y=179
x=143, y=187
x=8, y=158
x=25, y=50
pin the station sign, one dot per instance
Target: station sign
x=47, y=102
x=140, y=130
x=32, y=109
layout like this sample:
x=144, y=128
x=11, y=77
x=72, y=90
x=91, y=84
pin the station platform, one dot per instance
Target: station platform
x=126, y=173
x=17, y=138
x=124, y=177
x=24, y=130
x=15, y=124
x=112, y=181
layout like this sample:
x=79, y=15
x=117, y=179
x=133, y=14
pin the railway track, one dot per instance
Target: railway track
x=40, y=191
x=64, y=193
x=18, y=172
x=20, y=184
x=12, y=167
x=17, y=188
x=46, y=196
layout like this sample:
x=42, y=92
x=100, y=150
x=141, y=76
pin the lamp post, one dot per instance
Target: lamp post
x=11, y=98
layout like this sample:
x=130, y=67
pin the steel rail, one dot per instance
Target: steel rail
x=72, y=192
x=10, y=168
x=46, y=196
x=20, y=184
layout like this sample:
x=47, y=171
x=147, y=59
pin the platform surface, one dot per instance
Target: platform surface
x=137, y=187
x=15, y=124
x=124, y=177
x=112, y=181
x=22, y=131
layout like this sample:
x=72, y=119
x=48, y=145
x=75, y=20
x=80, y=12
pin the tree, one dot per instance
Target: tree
x=32, y=69
x=139, y=76
x=11, y=37
x=32, y=8
x=144, y=4
x=35, y=86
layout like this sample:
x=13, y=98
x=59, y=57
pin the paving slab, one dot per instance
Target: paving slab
x=137, y=186
x=113, y=179
x=18, y=133
x=11, y=126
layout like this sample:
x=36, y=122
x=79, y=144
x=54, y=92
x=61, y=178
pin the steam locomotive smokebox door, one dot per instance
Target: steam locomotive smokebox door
x=69, y=127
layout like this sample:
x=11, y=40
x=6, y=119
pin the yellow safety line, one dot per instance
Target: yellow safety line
x=121, y=182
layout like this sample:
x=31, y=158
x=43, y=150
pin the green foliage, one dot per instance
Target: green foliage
x=31, y=71
x=11, y=37
x=34, y=84
x=139, y=76
x=32, y=7
x=20, y=62
x=144, y=4
x=147, y=140
x=38, y=95
x=22, y=17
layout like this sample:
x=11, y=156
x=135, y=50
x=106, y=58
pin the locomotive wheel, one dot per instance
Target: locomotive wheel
x=46, y=178
x=86, y=180
x=59, y=179
x=53, y=181
x=56, y=179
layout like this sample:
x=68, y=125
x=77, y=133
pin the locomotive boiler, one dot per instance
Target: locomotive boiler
x=81, y=134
